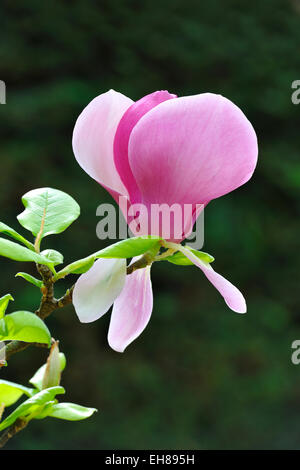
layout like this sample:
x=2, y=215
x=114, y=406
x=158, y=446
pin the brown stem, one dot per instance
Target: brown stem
x=18, y=425
x=140, y=263
x=47, y=306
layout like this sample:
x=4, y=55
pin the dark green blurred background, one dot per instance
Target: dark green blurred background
x=200, y=376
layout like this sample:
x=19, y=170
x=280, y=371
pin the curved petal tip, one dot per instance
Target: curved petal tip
x=231, y=294
x=131, y=311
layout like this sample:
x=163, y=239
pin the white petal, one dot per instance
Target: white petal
x=93, y=138
x=96, y=290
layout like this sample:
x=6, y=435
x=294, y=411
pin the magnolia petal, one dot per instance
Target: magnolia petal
x=232, y=296
x=172, y=223
x=132, y=310
x=96, y=290
x=191, y=150
x=93, y=138
x=126, y=124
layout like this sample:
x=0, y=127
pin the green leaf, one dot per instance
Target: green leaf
x=180, y=259
x=3, y=304
x=37, y=379
x=24, y=326
x=70, y=411
x=32, y=407
x=12, y=233
x=55, y=257
x=77, y=267
x=48, y=210
x=128, y=248
x=31, y=279
x=17, y=252
x=10, y=392
x=83, y=265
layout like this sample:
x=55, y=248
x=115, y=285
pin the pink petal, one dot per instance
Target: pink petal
x=191, y=150
x=127, y=123
x=132, y=310
x=96, y=290
x=172, y=223
x=232, y=296
x=93, y=138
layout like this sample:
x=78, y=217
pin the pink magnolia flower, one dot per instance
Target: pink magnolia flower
x=158, y=150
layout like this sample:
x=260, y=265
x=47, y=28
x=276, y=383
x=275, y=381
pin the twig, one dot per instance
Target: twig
x=16, y=346
x=47, y=306
x=140, y=263
x=18, y=425
x=65, y=299
x=2, y=408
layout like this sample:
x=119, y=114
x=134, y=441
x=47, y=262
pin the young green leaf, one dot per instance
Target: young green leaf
x=77, y=267
x=36, y=282
x=17, y=252
x=48, y=211
x=12, y=233
x=3, y=304
x=32, y=407
x=37, y=379
x=128, y=248
x=55, y=257
x=70, y=411
x=83, y=265
x=180, y=259
x=24, y=326
x=10, y=392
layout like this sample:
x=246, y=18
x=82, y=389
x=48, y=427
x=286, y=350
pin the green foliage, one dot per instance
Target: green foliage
x=42, y=402
x=48, y=210
x=3, y=304
x=24, y=326
x=32, y=407
x=12, y=233
x=128, y=248
x=11, y=392
x=38, y=378
x=70, y=411
x=55, y=257
x=180, y=259
x=36, y=282
x=19, y=253
x=78, y=267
